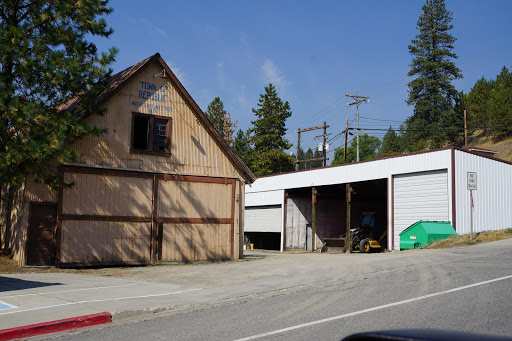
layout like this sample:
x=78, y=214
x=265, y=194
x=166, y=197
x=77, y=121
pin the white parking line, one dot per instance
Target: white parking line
x=73, y=290
x=339, y=317
x=102, y=300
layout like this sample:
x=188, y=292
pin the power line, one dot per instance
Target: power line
x=436, y=129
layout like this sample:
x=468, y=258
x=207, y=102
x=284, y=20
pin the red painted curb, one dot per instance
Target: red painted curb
x=55, y=326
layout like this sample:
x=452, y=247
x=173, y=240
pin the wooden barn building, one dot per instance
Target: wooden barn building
x=161, y=185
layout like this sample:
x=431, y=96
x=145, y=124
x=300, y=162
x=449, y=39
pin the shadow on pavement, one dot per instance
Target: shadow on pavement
x=11, y=284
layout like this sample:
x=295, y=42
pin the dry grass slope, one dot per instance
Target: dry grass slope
x=464, y=239
x=504, y=146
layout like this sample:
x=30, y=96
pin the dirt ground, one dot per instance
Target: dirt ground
x=9, y=266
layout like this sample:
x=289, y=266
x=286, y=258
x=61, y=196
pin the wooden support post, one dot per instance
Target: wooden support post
x=348, y=237
x=313, y=219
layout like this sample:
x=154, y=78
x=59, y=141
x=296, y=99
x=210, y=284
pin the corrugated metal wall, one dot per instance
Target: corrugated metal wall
x=493, y=197
x=362, y=171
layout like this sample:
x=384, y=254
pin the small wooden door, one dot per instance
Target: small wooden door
x=41, y=234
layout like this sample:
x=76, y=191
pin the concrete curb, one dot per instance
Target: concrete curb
x=55, y=326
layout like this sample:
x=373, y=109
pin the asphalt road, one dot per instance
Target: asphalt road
x=463, y=290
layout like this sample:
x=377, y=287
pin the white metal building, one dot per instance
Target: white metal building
x=430, y=185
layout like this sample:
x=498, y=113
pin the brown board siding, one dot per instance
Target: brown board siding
x=182, y=242
x=107, y=195
x=88, y=241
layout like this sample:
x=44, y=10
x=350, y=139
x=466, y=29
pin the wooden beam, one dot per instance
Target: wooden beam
x=313, y=219
x=348, y=239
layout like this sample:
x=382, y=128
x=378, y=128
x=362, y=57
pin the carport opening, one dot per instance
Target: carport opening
x=331, y=212
x=264, y=240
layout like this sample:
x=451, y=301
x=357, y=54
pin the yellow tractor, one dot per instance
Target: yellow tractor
x=364, y=237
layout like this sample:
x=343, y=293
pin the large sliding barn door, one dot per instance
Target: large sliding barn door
x=105, y=217
x=195, y=218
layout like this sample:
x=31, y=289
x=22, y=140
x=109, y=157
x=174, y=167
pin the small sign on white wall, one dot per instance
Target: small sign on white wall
x=471, y=180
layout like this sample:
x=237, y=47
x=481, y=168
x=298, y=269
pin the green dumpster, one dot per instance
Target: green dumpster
x=421, y=233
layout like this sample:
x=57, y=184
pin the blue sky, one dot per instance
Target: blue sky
x=314, y=52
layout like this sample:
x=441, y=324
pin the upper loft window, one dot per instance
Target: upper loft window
x=150, y=134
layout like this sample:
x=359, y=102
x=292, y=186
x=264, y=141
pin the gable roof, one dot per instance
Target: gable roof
x=117, y=81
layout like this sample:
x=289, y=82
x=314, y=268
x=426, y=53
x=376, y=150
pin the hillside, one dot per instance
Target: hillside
x=504, y=147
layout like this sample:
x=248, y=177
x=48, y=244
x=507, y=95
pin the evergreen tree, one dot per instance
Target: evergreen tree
x=501, y=104
x=390, y=144
x=454, y=123
x=267, y=135
x=221, y=120
x=309, y=154
x=478, y=101
x=489, y=105
x=431, y=92
x=46, y=60
x=368, y=149
x=316, y=155
x=242, y=146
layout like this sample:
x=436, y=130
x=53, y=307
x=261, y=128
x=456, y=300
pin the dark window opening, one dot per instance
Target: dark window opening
x=150, y=134
x=140, y=133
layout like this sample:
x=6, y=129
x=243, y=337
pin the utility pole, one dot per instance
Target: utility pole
x=345, y=150
x=324, y=144
x=324, y=151
x=357, y=100
x=298, y=149
x=324, y=159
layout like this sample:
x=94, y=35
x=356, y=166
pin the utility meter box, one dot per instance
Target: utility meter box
x=422, y=233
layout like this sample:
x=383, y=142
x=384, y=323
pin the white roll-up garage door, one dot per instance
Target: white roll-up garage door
x=263, y=219
x=419, y=196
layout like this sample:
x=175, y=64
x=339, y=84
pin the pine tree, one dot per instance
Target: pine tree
x=489, y=104
x=242, y=146
x=45, y=60
x=478, y=102
x=267, y=135
x=309, y=154
x=316, y=155
x=500, y=109
x=431, y=92
x=390, y=144
x=221, y=120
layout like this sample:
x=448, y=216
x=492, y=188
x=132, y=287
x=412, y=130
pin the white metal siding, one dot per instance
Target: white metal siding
x=419, y=196
x=263, y=219
x=268, y=197
x=348, y=173
x=492, y=198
